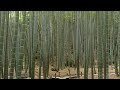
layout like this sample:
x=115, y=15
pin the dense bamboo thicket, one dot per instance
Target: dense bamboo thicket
x=78, y=39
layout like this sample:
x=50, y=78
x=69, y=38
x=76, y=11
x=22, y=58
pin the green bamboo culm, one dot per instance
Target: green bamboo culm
x=86, y=48
x=99, y=16
x=43, y=46
x=78, y=44
x=35, y=43
x=115, y=44
x=2, y=22
x=107, y=49
x=31, y=63
x=119, y=43
x=21, y=46
x=92, y=22
x=14, y=47
x=6, y=47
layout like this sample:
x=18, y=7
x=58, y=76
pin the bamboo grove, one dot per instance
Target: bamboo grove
x=61, y=39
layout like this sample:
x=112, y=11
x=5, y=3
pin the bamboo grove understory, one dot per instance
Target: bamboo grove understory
x=78, y=39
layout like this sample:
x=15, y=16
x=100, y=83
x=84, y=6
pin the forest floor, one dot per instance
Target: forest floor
x=73, y=72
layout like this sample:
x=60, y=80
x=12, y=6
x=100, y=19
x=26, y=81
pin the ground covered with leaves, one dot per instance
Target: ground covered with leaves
x=73, y=72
